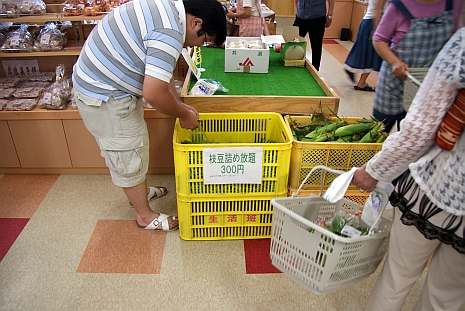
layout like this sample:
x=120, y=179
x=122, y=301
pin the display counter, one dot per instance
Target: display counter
x=285, y=90
x=44, y=141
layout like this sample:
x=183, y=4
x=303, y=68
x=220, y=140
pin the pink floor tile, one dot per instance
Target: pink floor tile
x=10, y=228
x=118, y=246
x=20, y=195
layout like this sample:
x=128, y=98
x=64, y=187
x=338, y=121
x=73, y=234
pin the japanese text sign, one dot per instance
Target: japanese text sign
x=238, y=165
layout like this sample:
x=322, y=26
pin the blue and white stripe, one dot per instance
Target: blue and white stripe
x=138, y=38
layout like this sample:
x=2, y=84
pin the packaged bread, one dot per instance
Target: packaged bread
x=21, y=104
x=7, y=82
x=49, y=39
x=32, y=7
x=6, y=93
x=19, y=40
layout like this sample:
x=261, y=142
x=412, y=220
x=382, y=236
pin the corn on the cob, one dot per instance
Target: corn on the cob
x=353, y=128
x=324, y=129
x=344, y=139
x=371, y=135
x=324, y=137
x=382, y=137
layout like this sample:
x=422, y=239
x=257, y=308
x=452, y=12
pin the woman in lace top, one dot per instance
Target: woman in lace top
x=429, y=198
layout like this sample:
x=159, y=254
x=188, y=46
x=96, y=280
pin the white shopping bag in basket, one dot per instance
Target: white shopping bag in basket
x=374, y=204
x=339, y=186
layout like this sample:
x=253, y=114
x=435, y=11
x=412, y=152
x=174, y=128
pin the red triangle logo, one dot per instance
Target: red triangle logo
x=247, y=62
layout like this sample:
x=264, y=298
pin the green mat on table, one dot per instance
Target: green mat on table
x=279, y=81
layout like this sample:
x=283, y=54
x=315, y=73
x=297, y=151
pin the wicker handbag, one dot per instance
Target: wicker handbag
x=452, y=125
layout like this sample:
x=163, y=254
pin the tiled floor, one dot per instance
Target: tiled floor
x=70, y=242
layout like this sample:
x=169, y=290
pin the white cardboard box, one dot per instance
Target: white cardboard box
x=246, y=60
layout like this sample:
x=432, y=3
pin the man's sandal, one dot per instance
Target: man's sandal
x=155, y=193
x=161, y=220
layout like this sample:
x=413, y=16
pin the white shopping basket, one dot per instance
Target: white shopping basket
x=315, y=257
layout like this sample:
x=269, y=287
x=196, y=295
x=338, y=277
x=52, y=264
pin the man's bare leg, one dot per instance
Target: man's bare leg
x=137, y=195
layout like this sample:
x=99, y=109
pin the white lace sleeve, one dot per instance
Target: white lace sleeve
x=418, y=129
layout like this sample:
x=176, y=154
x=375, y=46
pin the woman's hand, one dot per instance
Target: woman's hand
x=363, y=180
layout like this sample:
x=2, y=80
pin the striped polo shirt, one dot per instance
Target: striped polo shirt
x=141, y=37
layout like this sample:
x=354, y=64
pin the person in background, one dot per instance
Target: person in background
x=249, y=15
x=313, y=17
x=410, y=34
x=362, y=58
x=129, y=56
x=429, y=197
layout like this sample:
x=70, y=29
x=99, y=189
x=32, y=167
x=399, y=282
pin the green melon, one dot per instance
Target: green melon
x=295, y=52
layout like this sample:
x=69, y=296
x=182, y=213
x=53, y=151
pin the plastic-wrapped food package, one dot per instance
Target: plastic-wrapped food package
x=245, y=44
x=57, y=95
x=32, y=7
x=9, y=9
x=7, y=82
x=6, y=93
x=21, y=104
x=49, y=39
x=3, y=103
x=76, y=7
x=96, y=7
x=19, y=40
x=46, y=76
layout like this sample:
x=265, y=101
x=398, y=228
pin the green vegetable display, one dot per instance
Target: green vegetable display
x=339, y=131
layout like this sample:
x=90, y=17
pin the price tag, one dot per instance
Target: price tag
x=45, y=38
x=350, y=231
x=14, y=40
x=47, y=97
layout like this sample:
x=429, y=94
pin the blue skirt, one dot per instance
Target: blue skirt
x=362, y=57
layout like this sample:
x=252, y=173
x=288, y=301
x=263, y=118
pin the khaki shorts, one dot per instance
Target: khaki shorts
x=121, y=133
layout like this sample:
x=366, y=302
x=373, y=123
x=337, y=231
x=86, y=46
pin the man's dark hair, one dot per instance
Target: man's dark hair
x=213, y=15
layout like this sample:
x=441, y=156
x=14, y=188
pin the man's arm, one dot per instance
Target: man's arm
x=159, y=95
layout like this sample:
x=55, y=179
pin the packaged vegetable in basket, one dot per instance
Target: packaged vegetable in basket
x=348, y=225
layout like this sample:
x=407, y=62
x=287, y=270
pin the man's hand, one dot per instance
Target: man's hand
x=189, y=121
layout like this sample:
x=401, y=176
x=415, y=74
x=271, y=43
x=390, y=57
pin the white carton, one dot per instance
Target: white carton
x=246, y=60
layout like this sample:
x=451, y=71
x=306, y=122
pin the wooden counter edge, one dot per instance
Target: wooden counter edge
x=68, y=114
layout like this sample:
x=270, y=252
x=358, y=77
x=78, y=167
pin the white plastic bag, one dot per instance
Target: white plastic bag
x=339, y=186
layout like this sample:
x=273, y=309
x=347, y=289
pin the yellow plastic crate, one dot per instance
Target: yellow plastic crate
x=230, y=130
x=338, y=156
x=225, y=218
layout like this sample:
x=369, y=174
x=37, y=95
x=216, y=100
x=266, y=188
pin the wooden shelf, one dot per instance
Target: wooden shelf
x=68, y=114
x=32, y=18
x=49, y=17
x=72, y=49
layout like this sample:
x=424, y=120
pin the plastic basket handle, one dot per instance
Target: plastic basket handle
x=385, y=195
x=414, y=80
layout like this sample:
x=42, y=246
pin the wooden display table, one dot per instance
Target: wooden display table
x=271, y=93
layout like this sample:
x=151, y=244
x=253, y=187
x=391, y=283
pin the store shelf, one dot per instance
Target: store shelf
x=72, y=49
x=68, y=114
x=32, y=18
x=49, y=17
